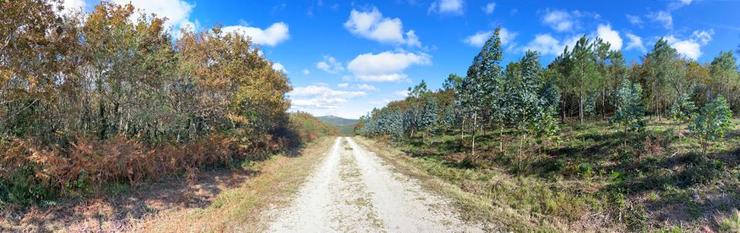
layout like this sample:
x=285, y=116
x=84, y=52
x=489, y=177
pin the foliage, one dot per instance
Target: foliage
x=712, y=122
x=110, y=96
x=683, y=109
x=629, y=113
x=310, y=128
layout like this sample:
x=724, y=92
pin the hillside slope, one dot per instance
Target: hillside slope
x=346, y=126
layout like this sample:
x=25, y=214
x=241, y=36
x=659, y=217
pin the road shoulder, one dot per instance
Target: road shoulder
x=474, y=210
x=240, y=209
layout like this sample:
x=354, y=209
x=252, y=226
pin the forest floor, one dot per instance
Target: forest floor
x=589, y=180
x=216, y=199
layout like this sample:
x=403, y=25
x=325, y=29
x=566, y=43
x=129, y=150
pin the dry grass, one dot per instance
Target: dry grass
x=241, y=209
x=474, y=208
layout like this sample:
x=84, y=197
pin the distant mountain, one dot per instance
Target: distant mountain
x=338, y=121
x=346, y=126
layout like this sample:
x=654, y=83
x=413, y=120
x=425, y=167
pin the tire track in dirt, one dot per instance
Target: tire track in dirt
x=355, y=191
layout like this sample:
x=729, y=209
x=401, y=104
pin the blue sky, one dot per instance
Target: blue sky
x=345, y=57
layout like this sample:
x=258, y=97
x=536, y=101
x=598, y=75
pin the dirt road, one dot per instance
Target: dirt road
x=355, y=191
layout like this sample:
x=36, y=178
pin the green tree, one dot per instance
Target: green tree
x=629, y=112
x=665, y=78
x=725, y=79
x=712, y=122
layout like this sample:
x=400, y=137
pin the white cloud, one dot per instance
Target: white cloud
x=559, y=20
x=402, y=93
x=676, y=4
x=70, y=6
x=386, y=66
x=343, y=85
x=372, y=25
x=271, y=36
x=606, y=33
x=366, y=87
x=306, y=72
x=488, y=9
x=690, y=47
x=687, y=48
x=447, y=7
x=635, y=42
x=663, y=17
x=177, y=12
x=634, y=20
x=320, y=96
x=703, y=36
x=330, y=65
x=279, y=67
x=545, y=44
x=480, y=38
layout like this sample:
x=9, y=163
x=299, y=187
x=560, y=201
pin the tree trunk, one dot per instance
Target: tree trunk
x=475, y=121
x=580, y=109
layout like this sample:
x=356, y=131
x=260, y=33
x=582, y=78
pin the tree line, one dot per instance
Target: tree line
x=111, y=96
x=589, y=81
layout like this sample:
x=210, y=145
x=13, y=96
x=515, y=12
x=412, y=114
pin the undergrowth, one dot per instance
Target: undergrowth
x=592, y=179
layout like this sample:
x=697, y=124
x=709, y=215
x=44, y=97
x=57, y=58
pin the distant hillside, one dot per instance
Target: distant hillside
x=346, y=126
x=335, y=120
x=309, y=127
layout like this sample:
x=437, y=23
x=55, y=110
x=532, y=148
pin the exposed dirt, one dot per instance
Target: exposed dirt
x=354, y=190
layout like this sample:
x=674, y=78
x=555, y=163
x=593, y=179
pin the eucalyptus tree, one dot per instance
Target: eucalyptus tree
x=478, y=88
x=712, y=122
x=629, y=111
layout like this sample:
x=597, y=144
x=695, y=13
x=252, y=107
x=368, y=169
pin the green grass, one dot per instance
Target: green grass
x=592, y=179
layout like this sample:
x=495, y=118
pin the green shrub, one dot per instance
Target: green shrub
x=711, y=124
x=586, y=170
x=731, y=224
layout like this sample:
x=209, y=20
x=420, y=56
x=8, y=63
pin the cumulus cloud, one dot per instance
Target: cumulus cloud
x=447, y=7
x=320, y=96
x=690, y=47
x=703, y=36
x=372, y=25
x=177, y=12
x=559, y=20
x=270, y=36
x=480, y=38
x=343, y=85
x=606, y=33
x=330, y=65
x=488, y=8
x=545, y=44
x=386, y=66
x=662, y=17
x=279, y=67
x=635, y=42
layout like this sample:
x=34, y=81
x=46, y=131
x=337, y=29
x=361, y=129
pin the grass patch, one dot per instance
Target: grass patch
x=592, y=179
